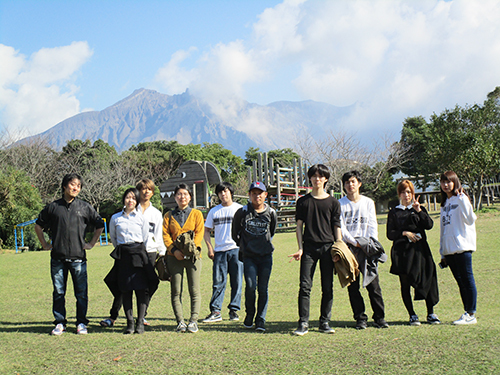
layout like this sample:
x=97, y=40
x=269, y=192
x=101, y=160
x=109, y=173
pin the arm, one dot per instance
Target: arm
x=236, y=227
x=208, y=242
x=337, y=232
x=393, y=232
x=426, y=222
x=199, y=228
x=112, y=231
x=467, y=210
x=167, y=237
x=41, y=237
x=274, y=223
x=345, y=233
x=372, y=221
x=299, y=234
x=94, y=239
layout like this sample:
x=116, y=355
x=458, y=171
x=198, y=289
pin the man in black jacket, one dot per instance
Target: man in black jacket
x=66, y=220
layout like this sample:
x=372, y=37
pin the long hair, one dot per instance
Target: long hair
x=457, y=186
x=135, y=192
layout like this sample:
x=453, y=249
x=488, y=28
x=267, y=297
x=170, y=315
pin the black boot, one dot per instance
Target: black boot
x=139, y=328
x=130, y=327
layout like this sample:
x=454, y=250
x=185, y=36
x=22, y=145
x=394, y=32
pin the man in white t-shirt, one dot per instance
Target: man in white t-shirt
x=225, y=255
x=359, y=219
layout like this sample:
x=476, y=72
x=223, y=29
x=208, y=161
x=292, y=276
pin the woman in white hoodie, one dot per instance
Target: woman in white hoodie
x=458, y=241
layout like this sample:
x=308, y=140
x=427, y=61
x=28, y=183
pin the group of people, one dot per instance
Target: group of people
x=244, y=250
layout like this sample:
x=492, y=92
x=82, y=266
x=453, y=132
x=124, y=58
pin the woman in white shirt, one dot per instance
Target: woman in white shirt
x=129, y=232
x=458, y=241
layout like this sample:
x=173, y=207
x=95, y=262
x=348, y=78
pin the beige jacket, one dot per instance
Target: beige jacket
x=347, y=266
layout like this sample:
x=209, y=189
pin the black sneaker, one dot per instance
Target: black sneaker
x=248, y=322
x=302, y=329
x=325, y=328
x=260, y=327
x=380, y=323
x=361, y=324
x=214, y=316
x=233, y=316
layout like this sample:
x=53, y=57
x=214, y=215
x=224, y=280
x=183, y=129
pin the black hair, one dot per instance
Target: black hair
x=223, y=186
x=321, y=169
x=185, y=187
x=131, y=190
x=457, y=186
x=68, y=178
x=348, y=175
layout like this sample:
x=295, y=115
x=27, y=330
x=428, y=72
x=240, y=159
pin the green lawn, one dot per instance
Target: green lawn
x=226, y=348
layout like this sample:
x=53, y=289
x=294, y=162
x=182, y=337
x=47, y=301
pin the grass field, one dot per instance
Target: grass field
x=226, y=348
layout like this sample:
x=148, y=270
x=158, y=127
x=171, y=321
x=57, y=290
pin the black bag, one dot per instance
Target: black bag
x=162, y=268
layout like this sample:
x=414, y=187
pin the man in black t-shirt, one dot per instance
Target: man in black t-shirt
x=318, y=226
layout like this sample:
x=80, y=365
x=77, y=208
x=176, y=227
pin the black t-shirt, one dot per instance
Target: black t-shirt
x=319, y=217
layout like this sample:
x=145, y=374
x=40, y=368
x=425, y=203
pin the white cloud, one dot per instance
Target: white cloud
x=393, y=58
x=38, y=92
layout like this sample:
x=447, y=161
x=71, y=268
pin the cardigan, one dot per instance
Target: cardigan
x=172, y=229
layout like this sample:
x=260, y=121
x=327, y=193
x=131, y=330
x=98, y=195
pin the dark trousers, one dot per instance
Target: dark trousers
x=461, y=267
x=358, y=305
x=312, y=254
x=257, y=272
x=142, y=298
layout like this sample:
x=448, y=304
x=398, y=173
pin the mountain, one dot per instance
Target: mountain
x=147, y=115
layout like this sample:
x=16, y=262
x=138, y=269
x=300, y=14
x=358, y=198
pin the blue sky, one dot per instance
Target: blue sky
x=391, y=59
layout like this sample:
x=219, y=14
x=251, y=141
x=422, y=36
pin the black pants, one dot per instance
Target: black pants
x=312, y=254
x=358, y=305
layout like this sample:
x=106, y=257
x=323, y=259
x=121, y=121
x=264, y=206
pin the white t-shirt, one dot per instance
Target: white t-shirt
x=458, y=228
x=220, y=219
x=358, y=219
x=155, y=237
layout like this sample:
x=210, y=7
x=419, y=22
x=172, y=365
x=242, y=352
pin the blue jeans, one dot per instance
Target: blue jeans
x=257, y=273
x=59, y=273
x=226, y=262
x=461, y=267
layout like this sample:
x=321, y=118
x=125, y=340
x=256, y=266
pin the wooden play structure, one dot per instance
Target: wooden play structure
x=199, y=176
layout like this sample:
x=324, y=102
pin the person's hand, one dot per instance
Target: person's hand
x=88, y=246
x=416, y=204
x=211, y=253
x=411, y=236
x=336, y=258
x=47, y=246
x=178, y=254
x=296, y=255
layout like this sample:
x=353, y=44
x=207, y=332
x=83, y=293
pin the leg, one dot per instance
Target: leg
x=152, y=259
x=263, y=274
x=115, y=307
x=461, y=267
x=176, y=268
x=142, y=298
x=357, y=303
x=193, y=273
x=326, y=267
x=129, y=313
x=59, y=274
x=250, y=272
x=405, y=294
x=219, y=273
x=235, y=270
x=79, y=276
x=376, y=300
x=307, y=268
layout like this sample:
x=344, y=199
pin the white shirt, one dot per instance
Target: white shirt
x=155, y=235
x=220, y=218
x=358, y=219
x=458, y=228
x=129, y=228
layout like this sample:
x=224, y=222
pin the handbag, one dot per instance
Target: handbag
x=162, y=268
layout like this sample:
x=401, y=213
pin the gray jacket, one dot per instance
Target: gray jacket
x=368, y=256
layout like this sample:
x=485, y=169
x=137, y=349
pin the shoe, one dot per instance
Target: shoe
x=433, y=319
x=466, y=319
x=192, y=327
x=248, y=323
x=214, y=316
x=146, y=323
x=302, y=329
x=260, y=327
x=361, y=324
x=325, y=328
x=414, y=320
x=81, y=329
x=233, y=316
x=181, y=327
x=139, y=327
x=58, y=330
x=380, y=323
x=107, y=322
x=130, y=328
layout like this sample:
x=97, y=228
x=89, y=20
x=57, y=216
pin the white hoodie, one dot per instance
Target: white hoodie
x=458, y=231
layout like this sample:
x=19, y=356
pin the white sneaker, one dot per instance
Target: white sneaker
x=466, y=319
x=58, y=330
x=81, y=329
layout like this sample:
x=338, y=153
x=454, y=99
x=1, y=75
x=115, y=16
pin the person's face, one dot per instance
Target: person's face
x=130, y=202
x=182, y=198
x=448, y=187
x=352, y=186
x=406, y=197
x=146, y=193
x=257, y=197
x=73, y=188
x=225, y=197
x=318, y=181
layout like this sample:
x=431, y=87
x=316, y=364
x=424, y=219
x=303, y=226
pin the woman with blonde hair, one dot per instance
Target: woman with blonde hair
x=410, y=254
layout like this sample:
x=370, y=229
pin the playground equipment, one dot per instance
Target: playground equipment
x=103, y=238
x=21, y=226
x=199, y=176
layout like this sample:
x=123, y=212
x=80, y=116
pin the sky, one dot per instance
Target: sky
x=390, y=59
